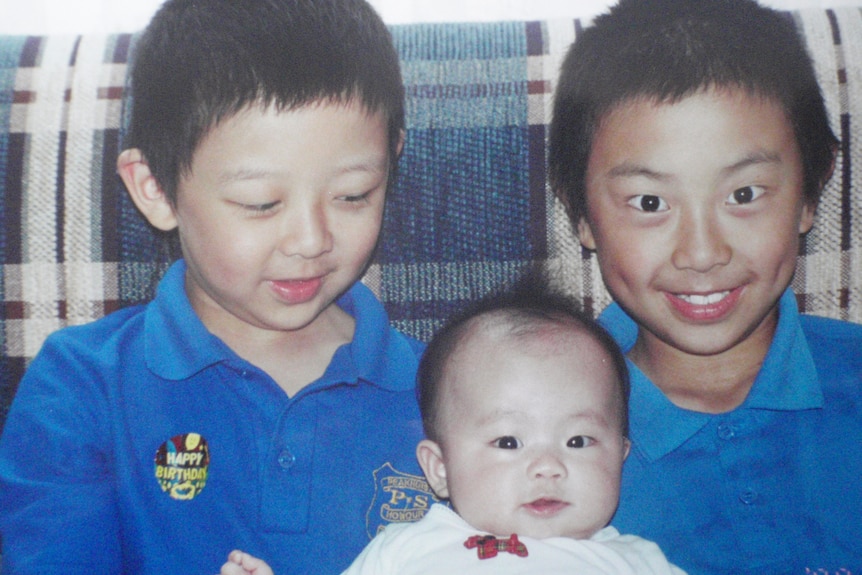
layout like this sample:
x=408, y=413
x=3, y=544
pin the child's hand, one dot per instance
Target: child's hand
x=239, y=563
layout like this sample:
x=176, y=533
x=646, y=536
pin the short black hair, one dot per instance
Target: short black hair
x=665, y=50
x=524, y=308
x=199, y=62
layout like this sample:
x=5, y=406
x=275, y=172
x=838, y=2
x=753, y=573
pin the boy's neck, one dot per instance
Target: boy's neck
x=705, y=383
x=295, y=359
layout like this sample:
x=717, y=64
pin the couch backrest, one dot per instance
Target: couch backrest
x=471, y=207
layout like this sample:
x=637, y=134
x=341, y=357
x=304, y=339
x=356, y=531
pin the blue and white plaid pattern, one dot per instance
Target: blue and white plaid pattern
x=471, y=207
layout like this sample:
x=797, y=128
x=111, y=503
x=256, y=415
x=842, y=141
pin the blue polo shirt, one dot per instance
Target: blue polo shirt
x=771, y=487
x=142, y=444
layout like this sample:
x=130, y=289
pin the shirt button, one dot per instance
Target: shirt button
x=748, y=496
x=286, y=459
x=726, y=431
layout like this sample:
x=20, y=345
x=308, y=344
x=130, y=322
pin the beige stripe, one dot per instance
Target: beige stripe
x=41, y=282
x=82, y=220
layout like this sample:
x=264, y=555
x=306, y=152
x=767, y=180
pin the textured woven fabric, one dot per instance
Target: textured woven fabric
x=470, y=209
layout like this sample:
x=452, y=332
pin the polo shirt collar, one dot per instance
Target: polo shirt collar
x=178, y=345
x=377, y=354
x=787, y=381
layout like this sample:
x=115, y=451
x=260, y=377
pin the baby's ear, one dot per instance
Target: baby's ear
x=430, y=458
x=145, y=191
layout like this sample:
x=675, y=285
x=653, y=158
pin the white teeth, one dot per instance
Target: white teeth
x=696, y=299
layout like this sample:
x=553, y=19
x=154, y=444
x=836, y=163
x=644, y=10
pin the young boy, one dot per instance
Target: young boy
x=524, y=404
x=690, y=144
x=261, y=399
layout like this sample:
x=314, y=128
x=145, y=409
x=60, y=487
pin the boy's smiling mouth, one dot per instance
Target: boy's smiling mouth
x=297, y=291
x=703, y=299
x=705, y=306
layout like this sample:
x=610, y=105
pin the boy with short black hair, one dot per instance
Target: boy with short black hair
x=690, y=145
x=262, y=399
x=524, y=404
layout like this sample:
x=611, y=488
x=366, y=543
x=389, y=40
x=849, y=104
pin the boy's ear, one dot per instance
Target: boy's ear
x=806, y=220
x=627, y=447
x=145, y=191
x=430, y=458
x=585, y=234
x=402, y=135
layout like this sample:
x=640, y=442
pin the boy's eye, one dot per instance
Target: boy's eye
x=745, y=195
x=507, y=442
x=579, y=441
x=356, y=198
x=260, y=208
x=648, y=203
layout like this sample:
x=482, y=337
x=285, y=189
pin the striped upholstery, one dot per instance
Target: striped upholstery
x=470, y=209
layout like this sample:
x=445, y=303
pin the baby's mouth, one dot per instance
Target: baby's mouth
x=546, y=506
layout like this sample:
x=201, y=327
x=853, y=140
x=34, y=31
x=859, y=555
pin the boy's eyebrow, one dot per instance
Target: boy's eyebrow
x=630, y=170
x=753, y=159
x=241, y=175
x=247, y=174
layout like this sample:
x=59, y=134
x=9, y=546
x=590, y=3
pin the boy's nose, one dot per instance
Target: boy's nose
x=306, y=233
x=700, y=244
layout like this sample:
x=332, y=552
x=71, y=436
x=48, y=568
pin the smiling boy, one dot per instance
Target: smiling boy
x=675, y=226
x=262, y=398
x=691, y=157
x=277, y=217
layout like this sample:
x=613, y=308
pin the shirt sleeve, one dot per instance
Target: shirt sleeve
x=58, y=510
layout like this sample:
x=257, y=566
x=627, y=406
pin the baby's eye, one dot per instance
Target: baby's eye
x=507, y=442
x=745, y=195
x=580, y=441
x=648, y=203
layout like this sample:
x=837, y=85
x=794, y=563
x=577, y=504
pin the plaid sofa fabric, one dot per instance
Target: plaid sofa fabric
x=470, y=209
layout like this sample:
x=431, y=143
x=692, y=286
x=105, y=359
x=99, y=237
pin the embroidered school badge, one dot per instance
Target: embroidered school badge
x=398, y=498
x=182, y=465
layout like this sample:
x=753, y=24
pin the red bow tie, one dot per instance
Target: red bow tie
x=488, y=546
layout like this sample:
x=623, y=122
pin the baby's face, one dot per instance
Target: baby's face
x=531, y=437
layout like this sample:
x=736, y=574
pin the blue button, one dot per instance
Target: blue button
x=726, y=431
x=748, y=496
x=286, y=459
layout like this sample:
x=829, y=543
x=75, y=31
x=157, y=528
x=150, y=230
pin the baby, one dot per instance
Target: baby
x=524, y=403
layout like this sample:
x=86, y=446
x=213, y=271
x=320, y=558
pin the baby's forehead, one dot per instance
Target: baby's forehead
x=531, y=333
x=493, y=339
x=494, y=350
